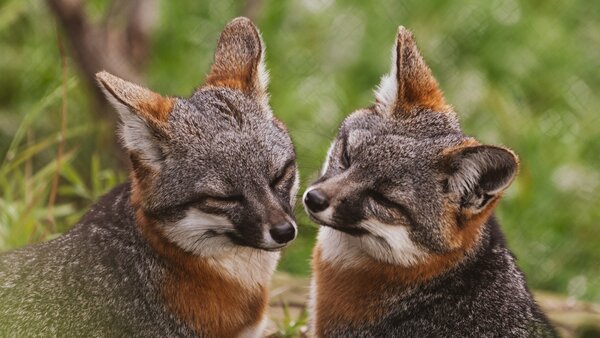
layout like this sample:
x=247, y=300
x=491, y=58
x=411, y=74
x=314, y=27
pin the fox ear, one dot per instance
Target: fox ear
x=239, y=60
x=479, y=174
x=409, y=85
x=144, y=115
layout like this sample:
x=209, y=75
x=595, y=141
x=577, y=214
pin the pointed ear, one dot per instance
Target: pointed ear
x=239, y=60
x=409, y=85
x=144, y=115
x=480, y=174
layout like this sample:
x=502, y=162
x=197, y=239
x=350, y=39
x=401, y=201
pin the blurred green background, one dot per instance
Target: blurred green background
x=524, y=74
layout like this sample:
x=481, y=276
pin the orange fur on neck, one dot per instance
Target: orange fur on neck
x=348, y=295
x=196, y=292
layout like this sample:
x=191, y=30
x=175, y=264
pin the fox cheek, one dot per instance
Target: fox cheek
x=399, y=247
x=349, y=211
x=197, y=232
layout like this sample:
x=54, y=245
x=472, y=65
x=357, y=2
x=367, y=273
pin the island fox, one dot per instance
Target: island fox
x=188, y=247
x=409, y=246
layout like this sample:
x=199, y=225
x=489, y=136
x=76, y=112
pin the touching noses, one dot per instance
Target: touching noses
x=316, y=201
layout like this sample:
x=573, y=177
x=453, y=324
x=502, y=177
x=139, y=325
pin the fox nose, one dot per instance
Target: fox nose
x=283, y=232
x=316, y=201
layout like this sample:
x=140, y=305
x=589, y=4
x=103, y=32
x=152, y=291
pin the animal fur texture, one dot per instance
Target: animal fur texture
x=408, y=244
x=188, y=246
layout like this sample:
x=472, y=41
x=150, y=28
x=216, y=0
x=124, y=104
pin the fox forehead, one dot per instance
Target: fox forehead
x=224, y=123
x=212, y=111
x=221, y=141
x=379, y=140
x=397, y=147
x=426, y=125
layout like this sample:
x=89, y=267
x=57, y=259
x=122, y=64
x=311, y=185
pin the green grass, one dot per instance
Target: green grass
x=291, y=326
x=522, y=74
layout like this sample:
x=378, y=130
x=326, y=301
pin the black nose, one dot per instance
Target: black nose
x=283, y=232
x=316, y=201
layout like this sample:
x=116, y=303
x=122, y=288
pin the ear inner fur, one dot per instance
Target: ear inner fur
x=452, y=164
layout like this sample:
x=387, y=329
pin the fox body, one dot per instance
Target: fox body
x=408, y=245
x=188, y=246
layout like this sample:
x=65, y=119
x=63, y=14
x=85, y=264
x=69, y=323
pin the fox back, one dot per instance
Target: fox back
x=188, y=246
x=408, y=245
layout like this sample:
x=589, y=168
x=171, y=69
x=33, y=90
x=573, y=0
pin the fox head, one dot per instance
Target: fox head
x=401, y=181
x=215, y=170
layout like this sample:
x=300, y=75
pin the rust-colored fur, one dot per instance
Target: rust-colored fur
x=357, y=303
x=238, y=80
x=417, y=88
x=236, y=60
x=151, y=106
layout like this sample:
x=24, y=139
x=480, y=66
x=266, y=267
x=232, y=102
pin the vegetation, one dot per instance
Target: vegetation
x=522, y=74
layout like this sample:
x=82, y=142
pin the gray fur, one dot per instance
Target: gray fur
x=405, y=163
x=101, y=279
x=206, y=134
x=395, y=158
x=219, y=154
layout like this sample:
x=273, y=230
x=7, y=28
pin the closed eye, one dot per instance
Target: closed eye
x=345, y=159
x=282, y=174
x=386, y=202
x=231, y=199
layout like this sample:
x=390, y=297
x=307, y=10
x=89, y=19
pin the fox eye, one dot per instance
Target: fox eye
x=386, y=202
x=345, y=159
x=232, y=199
x=277, y=180
x=282, y=175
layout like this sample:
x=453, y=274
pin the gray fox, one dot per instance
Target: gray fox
x=409, y=246
x=188, y=247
